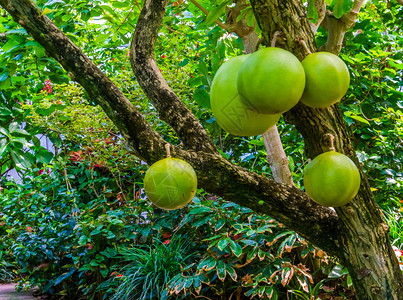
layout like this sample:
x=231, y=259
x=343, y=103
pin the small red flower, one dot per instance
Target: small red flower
x=29, y=229
x=90, y=246
x=166, y=235
x=166, y=242
x=2, y=223
x=162, y=56
x=119, y=275
x=40, y=172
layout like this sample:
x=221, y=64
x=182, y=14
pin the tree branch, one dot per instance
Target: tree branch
x=336, y=28
x=287, y=204
x=171, y=109
x=320, y=6
x=205, y=11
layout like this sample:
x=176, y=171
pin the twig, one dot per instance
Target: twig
x=274, y=39
x=205, y=11
x=330, y=138
x=168, y=150
x=302, y=42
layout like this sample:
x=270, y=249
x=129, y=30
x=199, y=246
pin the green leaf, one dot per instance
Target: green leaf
x=223, y=243
x=215, y=13
x=220, y=223
x=341, y=7
x=221, y=270
x=231, y=272
x=200, y=210
x=184, y=62
x=4, y=131
x=44, y=156
x=21, y=160
x=236, y=248
x=4, y=76
x=312, y=12
x=52, y=2
x=3, y=146
x=360, y=119
x=396, y=65
x=202, y=98
x=338, y=271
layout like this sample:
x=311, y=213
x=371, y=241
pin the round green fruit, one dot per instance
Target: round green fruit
x=327, y=79
x=271, y=81
x=332, y=179
x=170, y=183
x=229, y=111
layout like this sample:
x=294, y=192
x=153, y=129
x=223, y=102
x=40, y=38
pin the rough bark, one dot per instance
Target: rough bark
x=366, y=249
x=288, y=205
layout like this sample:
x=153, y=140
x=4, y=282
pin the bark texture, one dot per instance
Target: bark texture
x=366, y=249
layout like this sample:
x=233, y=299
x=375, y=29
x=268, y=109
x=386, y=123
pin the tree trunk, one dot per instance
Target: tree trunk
x=365, y=247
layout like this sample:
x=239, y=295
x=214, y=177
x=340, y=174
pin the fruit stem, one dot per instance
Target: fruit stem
x=302, y=42
x=330, y=137
x=274, y=39
x=168, y=150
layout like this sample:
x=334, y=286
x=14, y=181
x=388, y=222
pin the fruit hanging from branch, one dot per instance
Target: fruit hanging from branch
x=327, y=79
x=271, y=81
x=170, y=183
x=230, y=113
x=332, y=179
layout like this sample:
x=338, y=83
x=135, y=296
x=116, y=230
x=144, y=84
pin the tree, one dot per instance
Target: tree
x=355, y=233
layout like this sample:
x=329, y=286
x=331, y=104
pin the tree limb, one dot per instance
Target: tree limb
x=205, y=11
x=336, y=28
x=170, y=108
x=287, y=204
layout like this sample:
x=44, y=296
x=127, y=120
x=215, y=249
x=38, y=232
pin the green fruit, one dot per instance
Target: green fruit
x=230, y=113
x=170, y=183
x=271, y=81
x=332, y=179
x=327, y=79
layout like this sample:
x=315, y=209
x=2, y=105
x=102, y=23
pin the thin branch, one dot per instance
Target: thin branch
x=337, y=28
x=205, y=11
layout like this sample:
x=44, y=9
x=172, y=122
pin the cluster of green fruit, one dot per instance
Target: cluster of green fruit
x=250, y=92
x=248, y=95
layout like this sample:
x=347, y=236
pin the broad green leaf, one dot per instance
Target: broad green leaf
x=312, y=12
x=4, y=131
x=202, y=98
x=184, y=62
x=215, y=13
x=21, y=160
x=21, y=131
x=360, y=119
x=337, y=272
x=396, y=65
x=220, y=223
x=341, y=7
x=221, y=271
x=223, y=243
x=236, y=248
x=4, y=76
x=231, y=272
x=3, y=146
x=44, y=156
x=52, y=2
x=4, y=111
x=13, y=126
x=200, y=210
